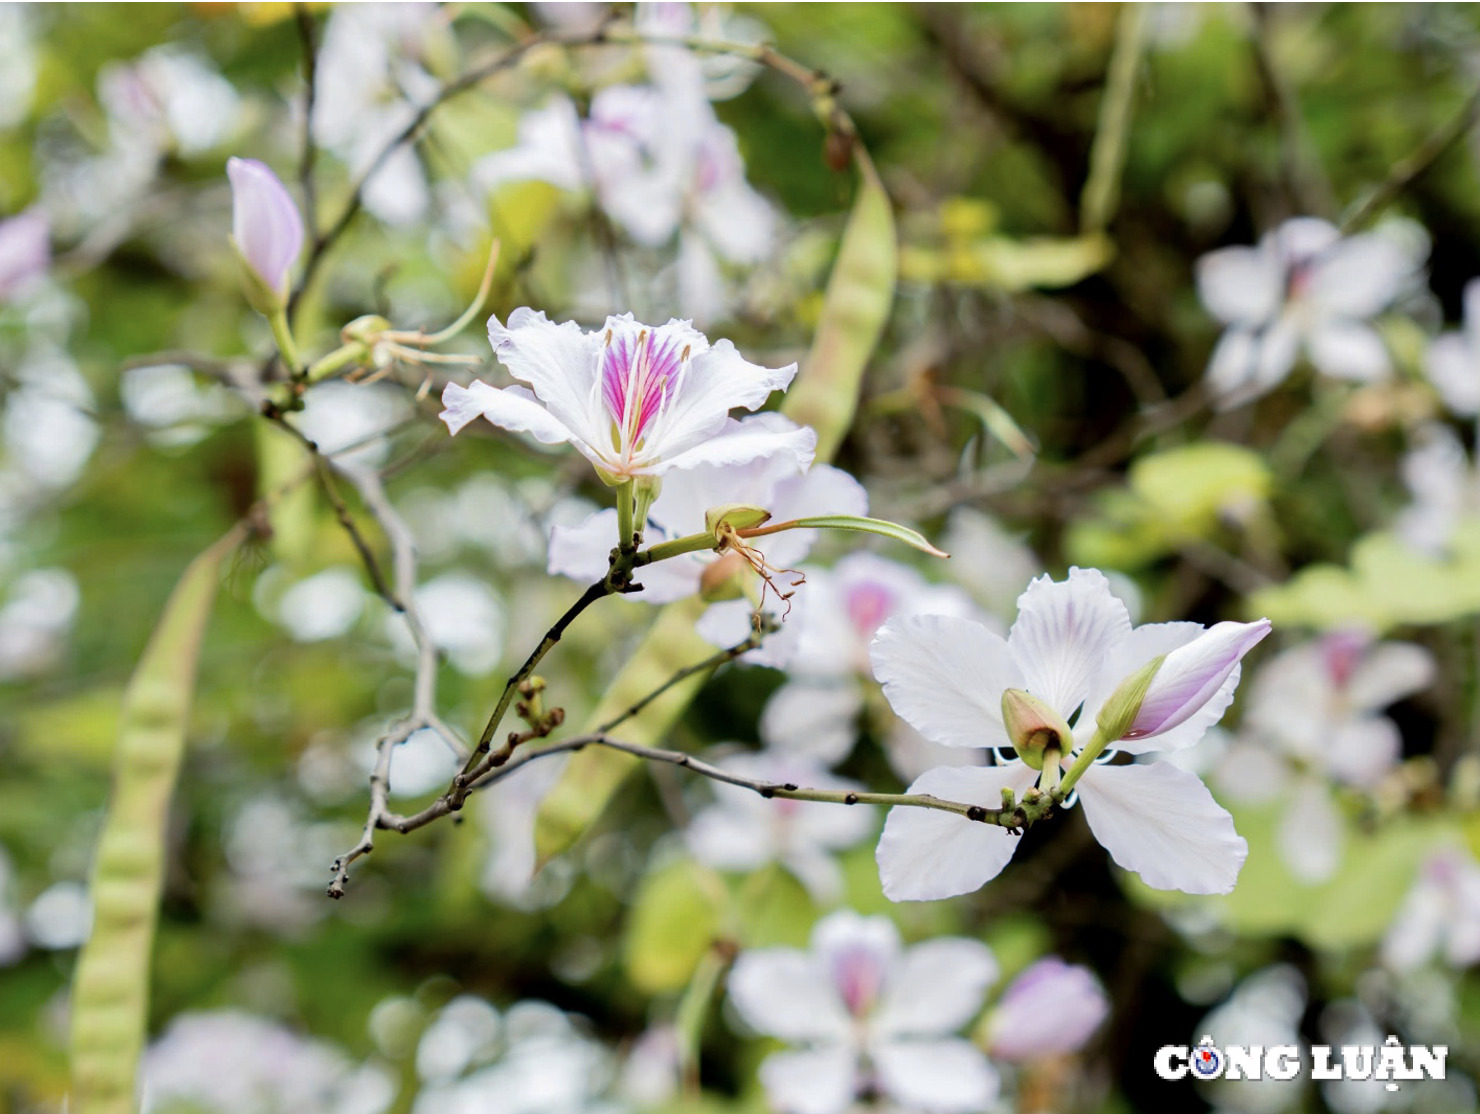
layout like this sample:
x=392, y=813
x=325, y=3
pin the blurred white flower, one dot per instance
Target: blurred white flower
x=774, y=482
x=650, y=1072
x=325, y=605
x=462, y=616
x=1440, y=917
x=352, y=422
x=507, y=810
x=1265, y=1009
x=1444, y=486
x=48, y=429
x=1304, y=287
x=836, y=616
x=744, y=831
x=875, y=1018
x=1050, y=1009
x=421, y=763
x=464, y=1033
x=17, y=63
x=1314, y=721
x=166, y=400
x=61, y=917
x=228, y=1062
x=1453, y=359
x=39, y=610
x=548, y=1067
x=168, y=100
x=372, y=81
x=1071, y=647
x=25, y=251
x=659, y=163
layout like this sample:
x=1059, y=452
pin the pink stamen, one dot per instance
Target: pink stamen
x=869, y=604
x=859, y=975
x=637, y=374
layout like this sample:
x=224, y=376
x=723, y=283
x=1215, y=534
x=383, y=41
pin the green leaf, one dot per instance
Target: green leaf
x=854, y=313
x=866, y=526
x=110, y=994
x=674, y=920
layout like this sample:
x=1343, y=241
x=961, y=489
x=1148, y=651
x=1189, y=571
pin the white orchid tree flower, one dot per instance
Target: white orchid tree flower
x=743, y=831
x=636, y=400
x=25, y=251
x=1453, y=359
x=1073, y=655
x=775, y=483
x=1051, y=1009
x=658, y=162
x=1445, y=489
x=372, y=81
x=1314, y=723
x=873, y=1016
x=816, y=710
x=1304, y=287
x=1440, y=917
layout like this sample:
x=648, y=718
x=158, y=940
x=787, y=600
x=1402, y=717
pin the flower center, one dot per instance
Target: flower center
x=869, y=604
x=638, y=375
x=859, y=975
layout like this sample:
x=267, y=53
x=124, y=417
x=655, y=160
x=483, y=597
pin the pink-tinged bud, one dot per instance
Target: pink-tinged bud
x=25, y=251
x=266, y=230
x=1049, y=1010
x=1165, y=695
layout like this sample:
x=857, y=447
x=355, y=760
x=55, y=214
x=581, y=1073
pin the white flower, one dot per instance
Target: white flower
x=25, y=251
x=1453, y=359
x=658, y=162
x=1314, y=722
x=1071, y=647
x=371, y=83
x=744, y=831
x=634, y=399
x=1441, y=915
x=773, y=482
x=1442, y=479
x=874, y=1017
x=1303, y=287
x=836, y=617
x=1049, y=1010
x=235, y=1063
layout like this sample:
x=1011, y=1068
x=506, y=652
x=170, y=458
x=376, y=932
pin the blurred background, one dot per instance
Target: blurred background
x=1039, y=397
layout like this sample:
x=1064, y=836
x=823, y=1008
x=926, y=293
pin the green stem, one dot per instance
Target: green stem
x=689, y=543
x=625, y=510
x=1097, y=743
x=282, y=335
x=341, y=357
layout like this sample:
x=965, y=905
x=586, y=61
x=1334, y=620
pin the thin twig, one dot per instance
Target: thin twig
x=1405, y=172
x=1305, y=182
x=309, y=156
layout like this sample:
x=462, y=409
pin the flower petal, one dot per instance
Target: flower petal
x=1360, y=276
x=1310, y=835
x=1389, y=672
x=265, y=222
x=743, y=440
x=1065, y=631
x=948, y=1076
x=926, y=854
x=1360, y=751
x=787, y=993
x=945, y=677
x=1162, y=823
x=717, y=381
x=815, y=719
x=818, y=1081
x=1241, y=285
x=560, y=364
x=1349, y=350
x=1049, y=1010
x=1454, y=369
x=512, y=408
x=935, y=988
